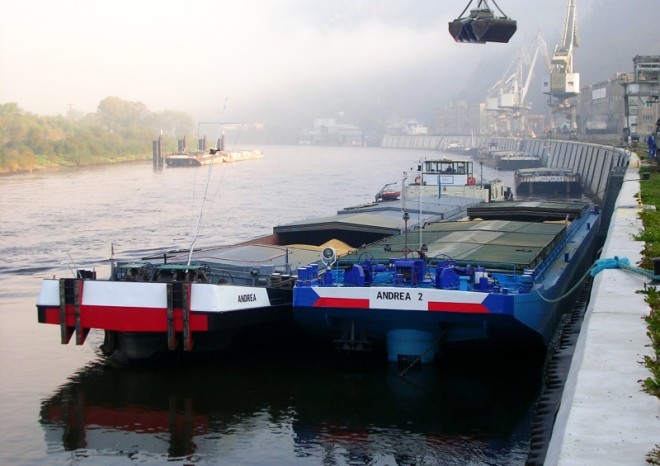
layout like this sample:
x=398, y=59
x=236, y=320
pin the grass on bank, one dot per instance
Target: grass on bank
x=43, y=162
x=650, y=195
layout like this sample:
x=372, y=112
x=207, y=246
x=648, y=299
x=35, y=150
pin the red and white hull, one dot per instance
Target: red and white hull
x=142, y=319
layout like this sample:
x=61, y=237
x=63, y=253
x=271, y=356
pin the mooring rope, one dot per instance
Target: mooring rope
x=598, y=266
x=622, y=263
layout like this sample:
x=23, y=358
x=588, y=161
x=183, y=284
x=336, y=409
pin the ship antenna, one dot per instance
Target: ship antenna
x=403, y=191
x=201, y=207
x=419, y=202
x=406, y=216
x=71, y=262
x=201, y=211
x=206, y=188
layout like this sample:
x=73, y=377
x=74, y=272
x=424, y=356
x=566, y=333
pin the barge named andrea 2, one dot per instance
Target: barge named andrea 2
x=495, y=280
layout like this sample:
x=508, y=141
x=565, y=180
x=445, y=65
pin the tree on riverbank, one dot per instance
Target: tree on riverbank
x=118, y=131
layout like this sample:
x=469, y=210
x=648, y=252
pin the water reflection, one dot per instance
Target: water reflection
x=303, y=407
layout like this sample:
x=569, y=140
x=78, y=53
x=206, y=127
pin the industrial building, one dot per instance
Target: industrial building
x=625, y=105
x=641, y=97
x=601, y=106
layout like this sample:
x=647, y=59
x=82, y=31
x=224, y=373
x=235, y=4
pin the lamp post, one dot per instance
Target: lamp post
x=481, y=164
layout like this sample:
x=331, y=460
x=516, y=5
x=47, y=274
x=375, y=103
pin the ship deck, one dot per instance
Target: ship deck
x=499, y=239
x=500, y=235
x=243, y=258
x=364, y=224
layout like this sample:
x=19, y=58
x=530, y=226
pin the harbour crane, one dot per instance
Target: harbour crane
x=562, y=84
x=507, y=98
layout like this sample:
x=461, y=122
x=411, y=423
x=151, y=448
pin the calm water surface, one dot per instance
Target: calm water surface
x=60, y=404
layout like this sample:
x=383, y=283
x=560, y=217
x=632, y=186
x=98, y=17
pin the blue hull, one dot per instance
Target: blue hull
x=446, y=305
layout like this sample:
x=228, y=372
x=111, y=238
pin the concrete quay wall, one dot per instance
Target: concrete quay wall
x=605, y=417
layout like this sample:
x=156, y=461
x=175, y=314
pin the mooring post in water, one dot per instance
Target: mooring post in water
x=157, y=152
x=160, y=150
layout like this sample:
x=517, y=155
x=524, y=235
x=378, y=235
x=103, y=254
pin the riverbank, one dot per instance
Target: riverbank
x=605, y=417
x=66, y=165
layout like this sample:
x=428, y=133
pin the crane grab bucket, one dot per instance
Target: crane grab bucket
x=482, y=26
x=494, y=29
x=461, y=30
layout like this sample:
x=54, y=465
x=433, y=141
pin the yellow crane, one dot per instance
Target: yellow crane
x=562, y=83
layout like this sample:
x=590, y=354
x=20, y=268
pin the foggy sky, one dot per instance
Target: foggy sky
x=275, y=60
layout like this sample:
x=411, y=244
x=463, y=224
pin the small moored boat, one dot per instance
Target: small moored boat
x=388, y=193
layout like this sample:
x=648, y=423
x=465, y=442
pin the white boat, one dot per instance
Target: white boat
x=184, y=158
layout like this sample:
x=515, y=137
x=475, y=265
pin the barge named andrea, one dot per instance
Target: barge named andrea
x=178, y=302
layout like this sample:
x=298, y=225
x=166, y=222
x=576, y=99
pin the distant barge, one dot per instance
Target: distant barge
x=509, y=160
x=197, y=159
x=187, y=158
x=557, y=182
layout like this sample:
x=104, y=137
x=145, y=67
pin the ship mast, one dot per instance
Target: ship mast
x=419, y=202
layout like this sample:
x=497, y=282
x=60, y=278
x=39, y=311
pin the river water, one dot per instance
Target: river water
x=298, y=404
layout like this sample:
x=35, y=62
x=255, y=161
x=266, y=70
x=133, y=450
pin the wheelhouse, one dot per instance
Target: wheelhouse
x=447, y=172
